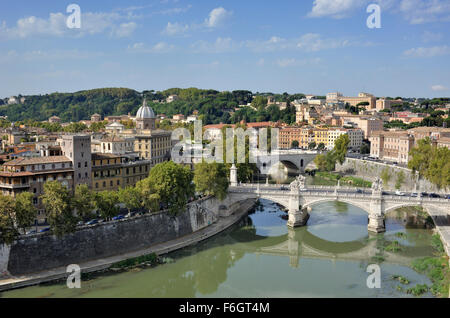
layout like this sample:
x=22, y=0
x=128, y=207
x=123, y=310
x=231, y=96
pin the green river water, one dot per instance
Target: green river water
x=261, y=257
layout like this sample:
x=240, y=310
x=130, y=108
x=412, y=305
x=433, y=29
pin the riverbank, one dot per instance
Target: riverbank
x=159, y=249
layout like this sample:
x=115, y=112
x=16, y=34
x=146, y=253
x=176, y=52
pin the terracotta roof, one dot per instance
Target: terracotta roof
x=37, y=160
x=98, y=155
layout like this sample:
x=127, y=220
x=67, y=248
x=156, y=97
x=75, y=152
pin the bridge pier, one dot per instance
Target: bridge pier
x=376, y=213
x=297, y=218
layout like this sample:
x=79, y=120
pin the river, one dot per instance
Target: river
x=261, y=257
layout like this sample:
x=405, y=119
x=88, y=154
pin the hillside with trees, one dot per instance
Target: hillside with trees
x=212, y=106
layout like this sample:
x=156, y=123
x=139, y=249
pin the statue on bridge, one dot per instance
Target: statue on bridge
x=298, y=183
x=377, y=185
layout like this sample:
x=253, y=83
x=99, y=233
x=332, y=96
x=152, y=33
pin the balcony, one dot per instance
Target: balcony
x=14, y=185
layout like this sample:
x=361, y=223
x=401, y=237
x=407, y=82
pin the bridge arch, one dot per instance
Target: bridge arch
x=402, y=205
x=364, y=206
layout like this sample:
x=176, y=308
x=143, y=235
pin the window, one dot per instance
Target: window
x=111, y=183
x=85, y=164
x=96, y=185
x=79, y=165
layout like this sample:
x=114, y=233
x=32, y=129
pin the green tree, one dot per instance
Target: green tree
x=438, y=171
x=131, y=197
x=83, y=202
x=312, y=145
x=365, y=148
x=25, y=210
x=211, y=179
x=420, y=156
x=385, y=176
x=325, y=162
x=341, y=147
x=294, y=144
x=173, y=183
x=400, y=179
x=56, y=200
x=106, y=204
x=8, y=231
x=150, y=199
x=321, y=146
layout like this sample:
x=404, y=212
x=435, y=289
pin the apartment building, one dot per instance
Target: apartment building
x=391, y=145
x=383, y=103
x=355, y=136
x=434, y=133
x=353, y=101
x=155, y=146
x=287, y=135
x=367, y=124
x=306, y=113
x=30, y=174
x=321, y=136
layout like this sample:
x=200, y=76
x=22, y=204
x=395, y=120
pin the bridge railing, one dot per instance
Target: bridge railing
x=331, y=191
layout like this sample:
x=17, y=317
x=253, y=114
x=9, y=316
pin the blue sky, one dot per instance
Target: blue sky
x=307, y=46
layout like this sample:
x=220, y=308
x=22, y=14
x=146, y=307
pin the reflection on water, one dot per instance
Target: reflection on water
x=261, y=257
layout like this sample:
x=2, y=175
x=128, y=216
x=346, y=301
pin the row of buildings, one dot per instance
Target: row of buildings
x=395, y=145
x=103, y=161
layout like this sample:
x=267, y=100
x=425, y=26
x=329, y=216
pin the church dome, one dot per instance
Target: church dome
x=145, y=112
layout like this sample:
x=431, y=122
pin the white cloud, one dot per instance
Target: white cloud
x=221, y=45
x=55, y=25
x=414, y=11
x=334, y=8
x=160, y=47
x=175, y=28
x=217, y=17
x=292, y=62
x=49, y=55
x=313, y=42
x=309, y=42
x=438, y=88
x=423, y=11
x=428, y=51
x=125, y=30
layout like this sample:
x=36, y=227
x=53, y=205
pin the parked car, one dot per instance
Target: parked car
x=359, y=191
x=80, y=223
x=118, y=217
x=44, y=230
x=284, y=188
x=414, y=194
x=424, y=194
x=399, y=193
x=31, y=232
x=434, y=195
x=384, y=193
x=91, y=222
x=447, y=196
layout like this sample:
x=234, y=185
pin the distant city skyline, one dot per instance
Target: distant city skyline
x=310, y=47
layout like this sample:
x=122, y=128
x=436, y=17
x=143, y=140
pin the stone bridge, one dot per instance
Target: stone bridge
x=298, y=199
x=295, y=159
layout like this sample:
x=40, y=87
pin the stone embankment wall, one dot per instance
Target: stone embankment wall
x=4, y=259
x=370, y=170
x=43, y=251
